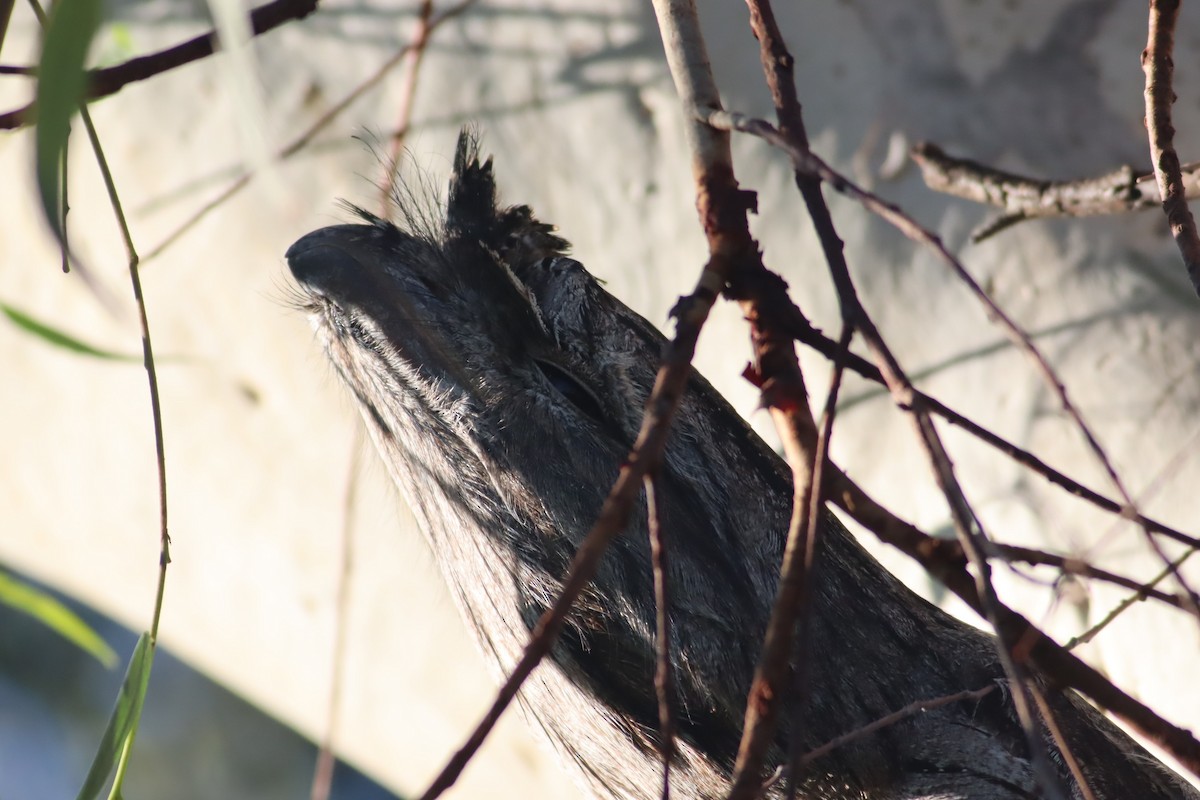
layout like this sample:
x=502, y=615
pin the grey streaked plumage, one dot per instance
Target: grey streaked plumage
x=502, y=386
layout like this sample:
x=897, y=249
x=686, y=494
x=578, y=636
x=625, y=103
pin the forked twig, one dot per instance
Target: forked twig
x=1021, y=197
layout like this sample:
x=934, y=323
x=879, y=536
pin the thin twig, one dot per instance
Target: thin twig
x=1077, y=566
x=662, y=670
x=322, y=782
x=1143, y=591
x=975, y=541
x=917, y=707
x=413, y=58
x=1060, y=741
x=107, y=81
x=239, y=183
x=1159, y=68
x=851, y=498
x=815, y=510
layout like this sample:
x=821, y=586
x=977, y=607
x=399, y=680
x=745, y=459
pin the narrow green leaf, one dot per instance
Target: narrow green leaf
x=60, y=87
x=54, y=615
x=122, y=725
x=58, y=338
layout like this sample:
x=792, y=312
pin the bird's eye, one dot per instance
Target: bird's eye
x=571, y=389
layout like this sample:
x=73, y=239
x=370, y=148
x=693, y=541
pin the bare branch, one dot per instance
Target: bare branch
x=1058, y=664
x=796, y=426
x=1159, y=68
x=1113, y=193
x=723, y=214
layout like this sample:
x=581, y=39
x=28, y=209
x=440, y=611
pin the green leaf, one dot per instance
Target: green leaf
x=117, y=741
x=56, y=616
x=58, y=338
x=60, y=87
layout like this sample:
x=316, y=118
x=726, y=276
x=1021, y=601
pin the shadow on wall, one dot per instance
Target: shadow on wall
x=197, y=740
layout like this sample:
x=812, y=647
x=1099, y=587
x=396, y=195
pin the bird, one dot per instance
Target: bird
x=502, y=386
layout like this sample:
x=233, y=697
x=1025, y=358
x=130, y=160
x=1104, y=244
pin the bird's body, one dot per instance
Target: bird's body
x=503, y=386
